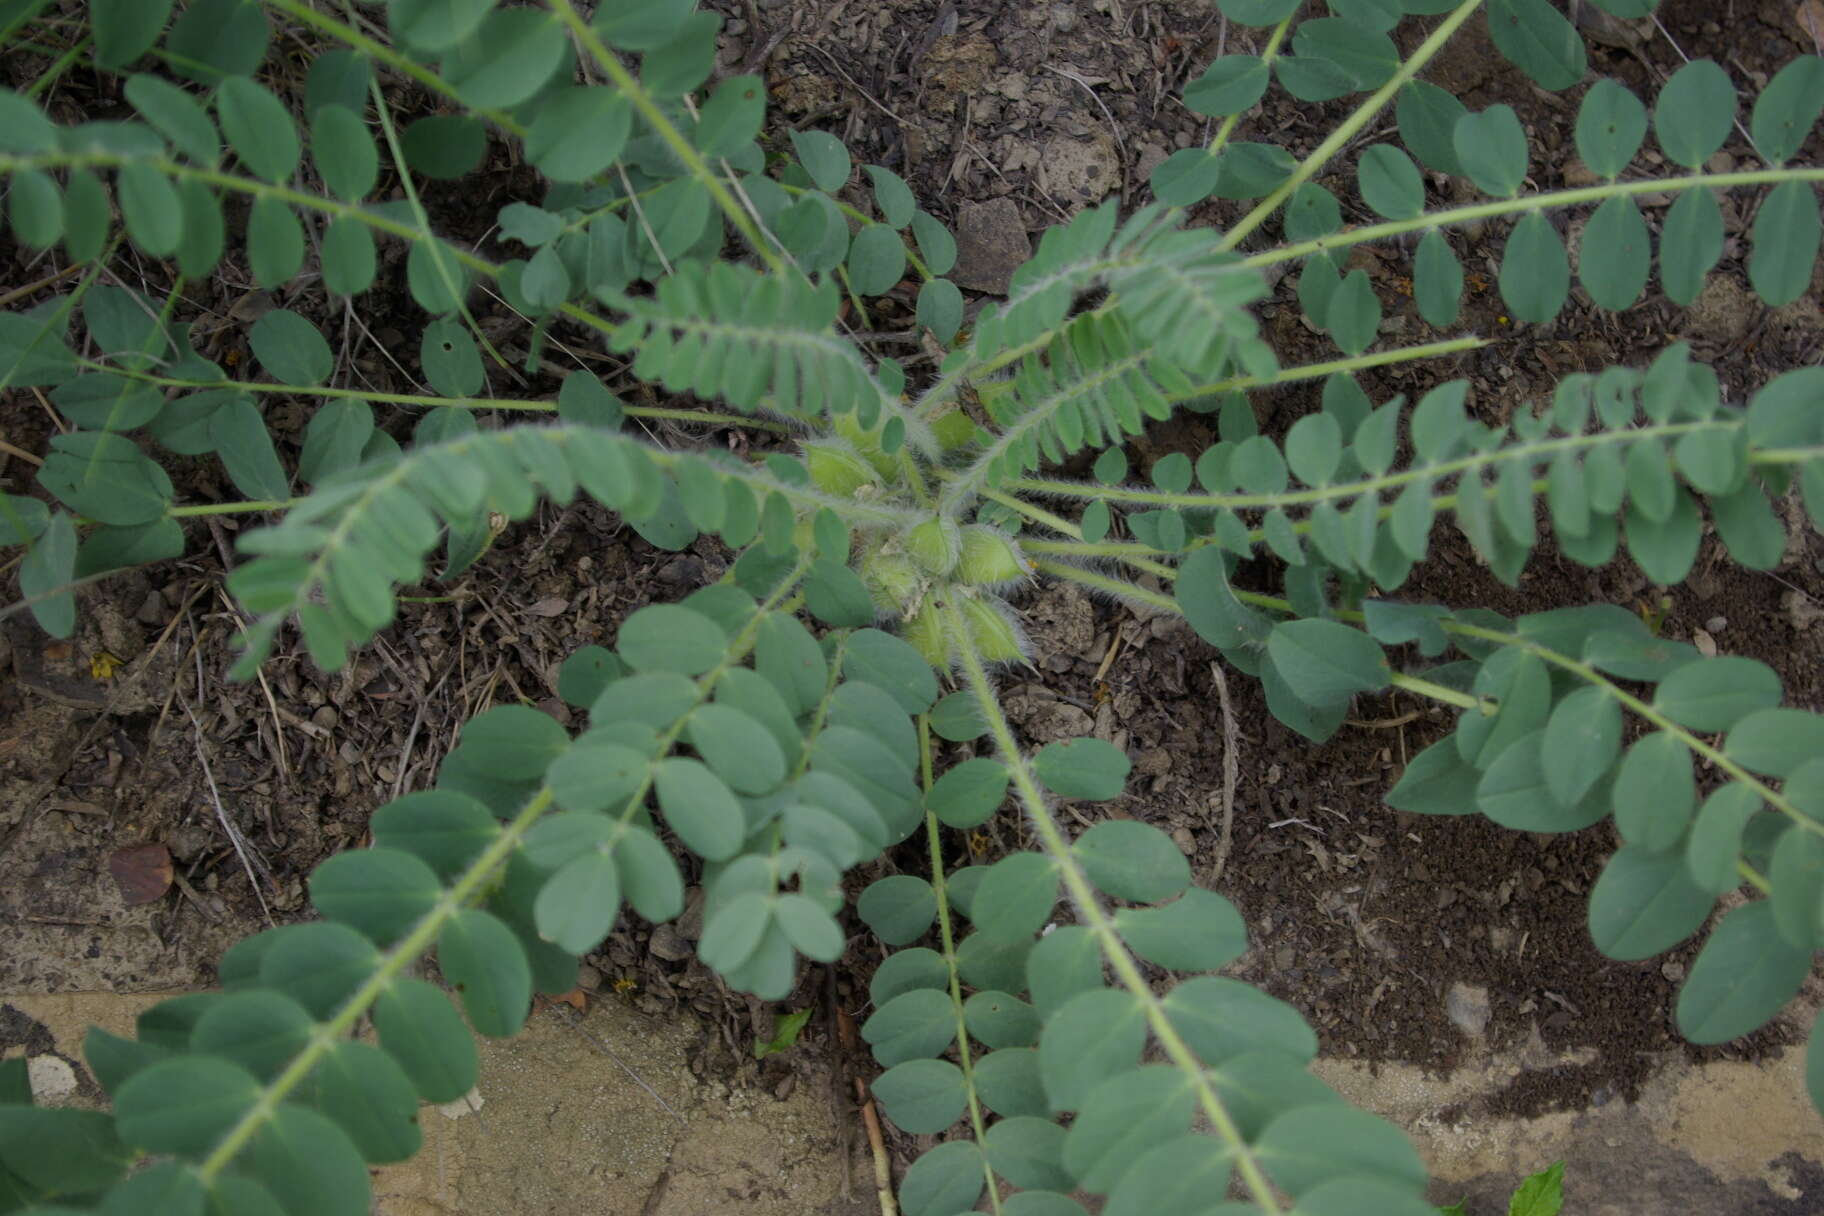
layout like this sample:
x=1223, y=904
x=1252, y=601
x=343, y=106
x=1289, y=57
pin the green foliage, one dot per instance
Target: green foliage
x=724, y=743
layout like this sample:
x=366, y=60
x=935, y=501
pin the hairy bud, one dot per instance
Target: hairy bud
x=995, y=633
x=892, y=580
x=835, y=470
x=935, y=545
x=990, y=558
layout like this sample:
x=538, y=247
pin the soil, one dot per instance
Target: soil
x=1402, y=938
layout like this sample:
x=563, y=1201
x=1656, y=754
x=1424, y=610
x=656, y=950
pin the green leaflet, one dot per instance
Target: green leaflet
x=775, y=720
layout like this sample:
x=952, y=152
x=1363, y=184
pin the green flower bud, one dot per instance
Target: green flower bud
x=867, y=443
x=990, y=558
x=953, y=429
x=835, y=470
x=997, y=636
x=892, y=580
x=935, y=545
x=925, y=630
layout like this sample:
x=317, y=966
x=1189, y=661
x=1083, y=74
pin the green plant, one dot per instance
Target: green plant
x=1542, y=1194
x=780, y=758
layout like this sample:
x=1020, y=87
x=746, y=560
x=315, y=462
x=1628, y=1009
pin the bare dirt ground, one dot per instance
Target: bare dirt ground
x=1405, y=940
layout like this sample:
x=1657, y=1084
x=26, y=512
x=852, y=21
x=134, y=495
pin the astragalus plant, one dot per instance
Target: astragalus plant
x=1057, y=1015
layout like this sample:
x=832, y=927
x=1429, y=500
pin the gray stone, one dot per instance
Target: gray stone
x=1467, y=1007
x=991, y=244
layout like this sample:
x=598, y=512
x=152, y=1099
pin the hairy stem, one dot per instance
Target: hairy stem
x=1346, y=130
x=1100, y=923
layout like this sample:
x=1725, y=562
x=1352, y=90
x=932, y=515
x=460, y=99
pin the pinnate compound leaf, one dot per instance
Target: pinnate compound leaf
x=291, y=348
x=517, y=50
x=700, y=808
x=877, y=260
x=320, y=965
x=303, y=1156
x=1083, y=768
x=49, y=565
x=579, y=132
x=649, y=876
x=170, y=1188
x=382, y=892
x=1814, y=1062
x=823, y=157
x=1312, y=1145
x=1744, y=973
x=1797, y=874
x=369, y=1096
x=577, y=906
x=1015, y=896
x=969, y=794
x=433, y=26
x=58, y=1150
x=1131, y=860
x=1026, y=1151
x=1231, y=84
x=812, y=931
x=514, y=742
x=1535, y=274
x=1514, y=792
x=1665, y=549
x=1714, y=694
x=126, y=29
x=183, y=1105
x=1787, y=232
x=1788, y=108
x=1610, y=127
x=1179, y=1175
x=344, y=152
x=893, y=665
x=1694, y=113
x=176, y=115
x=915, y=1025
x=259, y=128
x=1491, y=146
x=1199, y=931
x=1221, y=1019
x=1125, y=1116
x=1690, y=242
x=452, y=362
x=106, y=477
x=1539, y=40
x=899, y=908
x=1324, y=663
x=240, y=437
x=1095, y=1036
x=946, y=1181
x=1776, y=741
x=1390, y=182
x=1616, y=255
x=1644, y=904
x=1582, y=737
x=419, y=1029
x=483, y=960
x=737, y=748
x=1437, y=781
x=922, y=1097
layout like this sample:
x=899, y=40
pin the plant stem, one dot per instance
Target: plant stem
x=407, y=950
x=947, y=933
x=1536, y=450
x=682, y=148
x=1097, y=920
x=1345, y=131
x=1529, y=202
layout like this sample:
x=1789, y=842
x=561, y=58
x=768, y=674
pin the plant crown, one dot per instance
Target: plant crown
x=774, y=731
